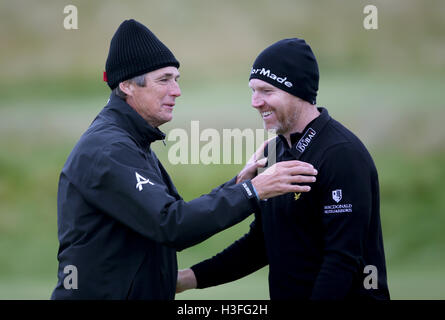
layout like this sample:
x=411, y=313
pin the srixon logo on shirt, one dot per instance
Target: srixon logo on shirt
x=269, y=74
x=306, y=140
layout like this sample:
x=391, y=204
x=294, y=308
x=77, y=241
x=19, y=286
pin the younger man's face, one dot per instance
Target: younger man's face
x=278, y=109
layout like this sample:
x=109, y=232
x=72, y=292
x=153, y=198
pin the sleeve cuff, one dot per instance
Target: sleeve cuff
x=249, y=190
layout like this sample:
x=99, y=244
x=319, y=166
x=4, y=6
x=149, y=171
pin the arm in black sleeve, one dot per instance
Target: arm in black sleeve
x=346, y=196
x=243, y=257
x=111, y=186
x=231, y=182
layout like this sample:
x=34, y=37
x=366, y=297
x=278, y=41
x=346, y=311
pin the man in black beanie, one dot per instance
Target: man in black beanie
x=120, y=218
x=327, y=243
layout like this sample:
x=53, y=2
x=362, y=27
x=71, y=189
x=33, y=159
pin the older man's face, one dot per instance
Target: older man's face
x=156, y=100
x=278, y=109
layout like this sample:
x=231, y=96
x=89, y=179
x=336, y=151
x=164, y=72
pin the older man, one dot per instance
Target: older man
x=324, y=244
x=120, y=218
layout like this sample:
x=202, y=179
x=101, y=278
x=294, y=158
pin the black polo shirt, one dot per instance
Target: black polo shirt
x=324, y=244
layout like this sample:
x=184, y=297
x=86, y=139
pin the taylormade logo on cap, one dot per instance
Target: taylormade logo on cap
x=272, y=76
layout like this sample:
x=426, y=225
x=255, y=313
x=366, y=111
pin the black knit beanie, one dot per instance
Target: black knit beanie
x=289, y=65
x=135, y=50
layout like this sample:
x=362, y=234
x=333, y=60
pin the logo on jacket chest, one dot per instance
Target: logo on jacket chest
x=336, y=195
x=141, y=181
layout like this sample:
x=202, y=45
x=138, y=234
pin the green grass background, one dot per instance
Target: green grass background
x=385, y=85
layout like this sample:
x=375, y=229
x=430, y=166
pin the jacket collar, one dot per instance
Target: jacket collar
x=128, y=119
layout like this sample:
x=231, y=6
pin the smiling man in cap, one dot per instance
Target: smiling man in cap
x=120, y=218
x=322, y=244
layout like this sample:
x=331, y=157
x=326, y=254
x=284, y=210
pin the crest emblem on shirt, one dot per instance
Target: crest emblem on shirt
x=297, y=196
x=141, y=181
x=337, y=195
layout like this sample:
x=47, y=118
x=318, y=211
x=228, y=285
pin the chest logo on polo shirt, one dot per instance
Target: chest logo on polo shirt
x=141, y=181
x=337, y=208
x=297, y=196
x=336, y=195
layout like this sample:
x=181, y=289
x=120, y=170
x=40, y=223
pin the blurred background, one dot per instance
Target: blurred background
x=386, y=85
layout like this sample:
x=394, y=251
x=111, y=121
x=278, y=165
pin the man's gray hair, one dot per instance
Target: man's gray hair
x=138, y=80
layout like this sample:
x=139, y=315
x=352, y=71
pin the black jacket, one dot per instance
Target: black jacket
x=317, y=244
x=120, y=218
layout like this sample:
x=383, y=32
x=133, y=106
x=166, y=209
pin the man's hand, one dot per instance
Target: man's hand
x=257, y=160
x=283, y=177
x=250, y=170
x=186, y=280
